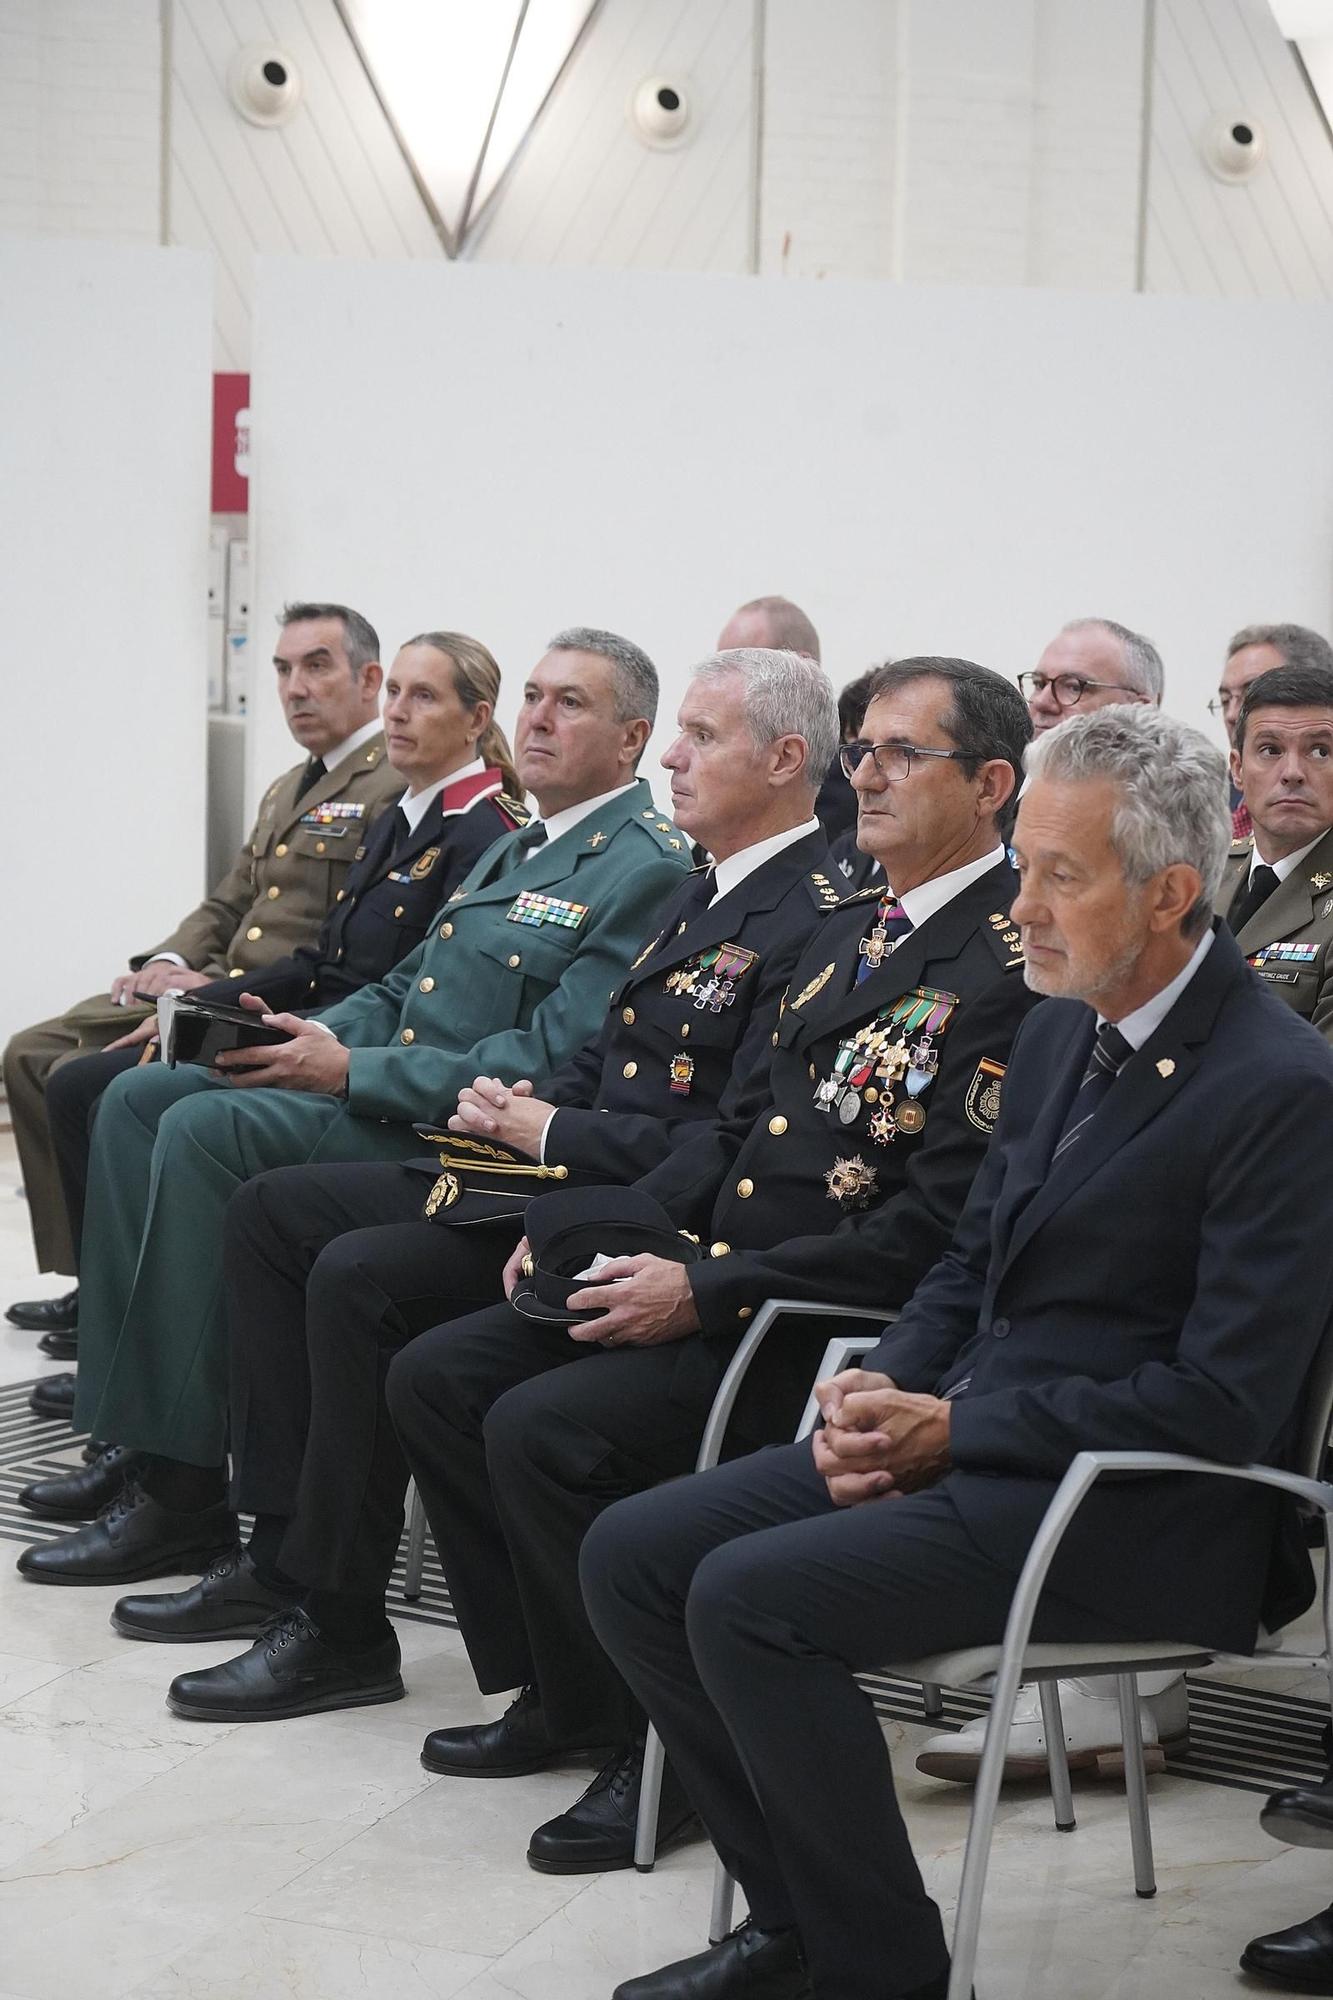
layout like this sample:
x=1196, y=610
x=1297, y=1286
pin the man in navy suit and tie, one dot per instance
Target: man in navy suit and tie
x=1145, y=1261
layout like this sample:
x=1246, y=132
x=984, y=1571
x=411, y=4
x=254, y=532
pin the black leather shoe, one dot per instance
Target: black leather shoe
x=517, y=1743
x=1301, y=1958
x=598, y=1830
x=79, y=1495
x=60, y=1346
x=53, y=1398
x=46, y=1315
x=133, y=1538
x=228, y=1602
x=749, y=1964
x=290, y=1670
x=1302, y=1815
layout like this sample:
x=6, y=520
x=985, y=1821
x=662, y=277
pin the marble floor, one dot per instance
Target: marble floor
x=310, y=1860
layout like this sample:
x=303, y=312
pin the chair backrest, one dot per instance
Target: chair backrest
x=1316, y=1410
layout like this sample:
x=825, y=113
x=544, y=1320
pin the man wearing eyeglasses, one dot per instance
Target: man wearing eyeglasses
x=839, y=1175
x=1091, y=663
x=1255, y=650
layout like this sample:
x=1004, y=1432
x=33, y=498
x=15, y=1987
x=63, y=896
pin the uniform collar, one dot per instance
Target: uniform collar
x=415, y=805
x=927, y=897
x=566, y=820
x=729, y=874
x=1148, y=1018
x=332, y=758
x=1289, y=862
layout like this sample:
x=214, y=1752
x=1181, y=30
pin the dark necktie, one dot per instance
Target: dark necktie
x=314, y=770
x=533, y=837
x=891, y=923
x=702, y=891
x=1252, y=897
x=1110, y=1053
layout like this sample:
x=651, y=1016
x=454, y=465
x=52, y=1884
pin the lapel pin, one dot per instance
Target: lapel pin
x=1166, y=1067
x=1321, y=881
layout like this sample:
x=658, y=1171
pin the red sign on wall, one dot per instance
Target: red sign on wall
x=231, y=444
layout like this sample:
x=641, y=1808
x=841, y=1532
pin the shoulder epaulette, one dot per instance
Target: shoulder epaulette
x=668, y=837
x=514, y=810
x=822, y=892
x=876, y=891
x=1005, y=938
x=1242, y=846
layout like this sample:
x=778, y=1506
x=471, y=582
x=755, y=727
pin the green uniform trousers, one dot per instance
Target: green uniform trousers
x=169, y=1148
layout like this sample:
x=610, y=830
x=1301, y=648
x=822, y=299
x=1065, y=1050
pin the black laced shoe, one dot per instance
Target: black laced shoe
x=290, y=1670
x=228, y=1602
x=598, y=1831
x=518, y=1742
x=133, y=1537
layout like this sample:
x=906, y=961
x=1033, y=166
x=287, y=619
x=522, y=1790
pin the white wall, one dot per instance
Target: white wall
x=104, y=492
x=923, y=469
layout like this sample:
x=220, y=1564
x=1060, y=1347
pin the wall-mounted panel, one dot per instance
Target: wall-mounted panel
x=925, y=469
x=103, y=513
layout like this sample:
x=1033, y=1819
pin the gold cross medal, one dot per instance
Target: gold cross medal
x=681, y=1073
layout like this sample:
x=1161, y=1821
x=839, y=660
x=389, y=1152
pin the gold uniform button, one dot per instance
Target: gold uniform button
x=408, y=1035
x=745, y=1312
x=627, y=1016
x=341, y=893
x=514, y=958
x=777, y=1126
x=319, y=847
x=745, y=1189
x=280, y=849
x=719, y=1250
x=446, y=930
x=254, y=932
x=274, y=893
x=630, y=1069
x=237, y=972
x=426, y=986
x=685, y=1029
x=774, y=1038
x=812, y=1072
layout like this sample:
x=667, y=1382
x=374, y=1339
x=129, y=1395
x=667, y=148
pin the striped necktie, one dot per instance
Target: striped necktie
x=1110, y=1053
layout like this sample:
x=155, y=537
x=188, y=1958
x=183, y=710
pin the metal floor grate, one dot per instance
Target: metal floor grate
x=1239, y=1736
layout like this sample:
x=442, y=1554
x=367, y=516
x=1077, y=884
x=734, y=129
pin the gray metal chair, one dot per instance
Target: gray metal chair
x=838, y=1354
x=1016, y=1660
x=415, y=1561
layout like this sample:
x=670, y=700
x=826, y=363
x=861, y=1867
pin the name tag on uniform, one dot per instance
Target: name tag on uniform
x=530, y=907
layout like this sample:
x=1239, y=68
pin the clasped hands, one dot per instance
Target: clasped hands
x=878, y=1441
x=488, y=1108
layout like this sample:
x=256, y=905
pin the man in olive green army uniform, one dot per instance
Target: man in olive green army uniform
x=1277, y=891
x=512, y=979
x=275, y=896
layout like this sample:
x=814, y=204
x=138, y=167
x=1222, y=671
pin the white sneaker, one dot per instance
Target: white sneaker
x=1092, y=1734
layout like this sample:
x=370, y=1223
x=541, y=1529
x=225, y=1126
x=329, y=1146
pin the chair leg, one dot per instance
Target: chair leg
x=650, y=1797
x=1062, y=1792
x=1136, y=1786
x=932, y=1700
x=416, y=1547
x=724, y=1896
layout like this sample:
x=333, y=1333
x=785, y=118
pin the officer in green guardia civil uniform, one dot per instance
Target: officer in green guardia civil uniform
x=1277, y=890
x=513, y=978
x=275, y=896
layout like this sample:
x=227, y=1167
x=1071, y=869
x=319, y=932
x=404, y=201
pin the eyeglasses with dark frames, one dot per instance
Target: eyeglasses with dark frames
x=1068, y=689
x=893, y=761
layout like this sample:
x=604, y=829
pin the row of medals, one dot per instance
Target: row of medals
x=870, y=1069
x=870, y=1066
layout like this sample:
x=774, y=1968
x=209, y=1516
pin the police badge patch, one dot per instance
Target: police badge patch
x=422, y=866
x=982, y=1103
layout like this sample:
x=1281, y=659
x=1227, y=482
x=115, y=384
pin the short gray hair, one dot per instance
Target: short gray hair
x=789, y=630
x=1141, y=659
x=1173, y=791
x=633, y=676
x=360, y=639
x=786, y=694
x=1298, y=645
